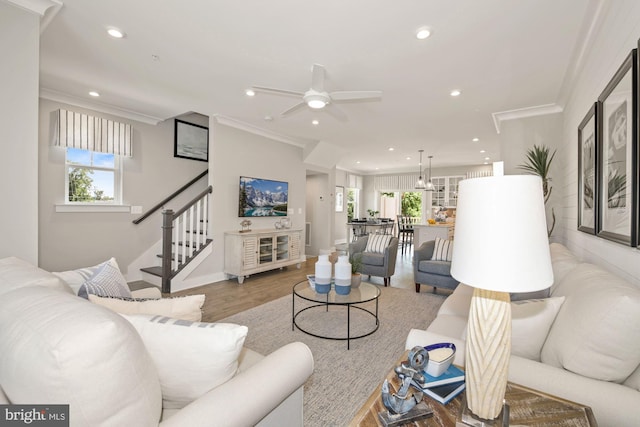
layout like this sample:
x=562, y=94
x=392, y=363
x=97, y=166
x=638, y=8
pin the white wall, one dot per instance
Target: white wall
x=320, y=213
x=73, y=240
x=235, y=152
x=340, y=218
x=19, y=44
x=617, y=33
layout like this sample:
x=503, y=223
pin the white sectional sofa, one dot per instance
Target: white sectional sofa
x=58, y=348
x=581, y=343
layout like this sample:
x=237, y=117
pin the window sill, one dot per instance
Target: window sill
x=93, y=208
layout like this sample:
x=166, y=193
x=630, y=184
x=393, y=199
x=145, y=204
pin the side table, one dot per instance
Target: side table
x=527, y=407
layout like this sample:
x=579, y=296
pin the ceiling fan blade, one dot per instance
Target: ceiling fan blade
x=293, y=109
x=277, y=91
x=336, y=112
x=317, y=77
x=347, y=95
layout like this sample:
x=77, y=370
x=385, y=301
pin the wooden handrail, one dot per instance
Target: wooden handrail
x=169, y=198
x=180, y=211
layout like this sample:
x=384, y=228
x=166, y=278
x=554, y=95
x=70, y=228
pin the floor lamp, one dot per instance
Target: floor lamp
x=500, y=246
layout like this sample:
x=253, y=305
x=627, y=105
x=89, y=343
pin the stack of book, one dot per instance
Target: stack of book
x=445, y=387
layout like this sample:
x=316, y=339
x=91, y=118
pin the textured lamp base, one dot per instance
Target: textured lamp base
x=466, y=418
x=487, y=352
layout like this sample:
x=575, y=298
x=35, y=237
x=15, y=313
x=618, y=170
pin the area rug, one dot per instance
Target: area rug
x=342, y=379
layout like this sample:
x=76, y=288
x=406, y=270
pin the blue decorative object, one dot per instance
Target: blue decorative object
x=343, y=290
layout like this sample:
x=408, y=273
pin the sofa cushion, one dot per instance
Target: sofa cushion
x=562, y=262
x=633, y=380
x=597, y=331
x=56, y=348
x=16, y=273
x=442, y=268
x=370, y=258
x=442, y=250
x=185, y=308
x=191, y=357
x=75, y=278
x=530, y=324
x=377, y=243
x=107, y=281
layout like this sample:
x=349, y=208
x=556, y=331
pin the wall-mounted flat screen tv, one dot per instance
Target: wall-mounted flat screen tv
x=262, y=197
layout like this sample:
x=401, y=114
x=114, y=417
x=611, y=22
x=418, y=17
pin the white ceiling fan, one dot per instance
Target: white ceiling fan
x=318, y=98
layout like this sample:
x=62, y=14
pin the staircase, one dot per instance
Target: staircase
x=185, y=234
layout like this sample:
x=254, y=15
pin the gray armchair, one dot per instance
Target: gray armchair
x=375, y=264
x=432, y=273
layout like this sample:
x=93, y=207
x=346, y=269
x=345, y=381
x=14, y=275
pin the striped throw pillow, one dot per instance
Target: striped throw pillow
x=443, y=251
x=377, y=243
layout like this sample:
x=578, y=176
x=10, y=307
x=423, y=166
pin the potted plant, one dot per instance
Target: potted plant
x=539, y=163
x=356, y=276
x=372, y=214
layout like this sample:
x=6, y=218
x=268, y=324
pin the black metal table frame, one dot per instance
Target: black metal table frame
x=328, y=303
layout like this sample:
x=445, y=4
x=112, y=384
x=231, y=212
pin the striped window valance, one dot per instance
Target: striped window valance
x=395, y=182
x=92, y=133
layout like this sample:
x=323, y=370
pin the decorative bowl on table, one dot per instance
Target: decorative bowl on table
x=440, y=358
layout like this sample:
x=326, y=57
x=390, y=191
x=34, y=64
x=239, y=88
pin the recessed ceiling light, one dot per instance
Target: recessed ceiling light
x=391, y=148
x=377, y=168
x=455, y=92
x=486, y=163
x=250, y=92
x=408, y=158
x=115, y=33
x=476, y=139
x=315, y=122
x=94, y=93
x=423, y=33
x=357, y=162
x=483, y=151
x=268, y=118
x=487, y=158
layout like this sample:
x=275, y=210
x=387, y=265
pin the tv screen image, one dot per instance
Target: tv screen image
x=262, y=197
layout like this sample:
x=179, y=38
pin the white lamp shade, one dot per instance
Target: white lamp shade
x=500, y=241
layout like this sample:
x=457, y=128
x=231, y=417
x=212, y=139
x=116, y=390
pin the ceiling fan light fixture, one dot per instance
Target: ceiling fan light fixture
x=316, y=102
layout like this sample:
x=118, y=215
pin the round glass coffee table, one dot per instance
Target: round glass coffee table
x=365, y=293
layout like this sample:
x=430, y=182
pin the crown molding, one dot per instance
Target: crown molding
x=46, y=9
x=522, y=113
x=97, y=106
x=238, y=124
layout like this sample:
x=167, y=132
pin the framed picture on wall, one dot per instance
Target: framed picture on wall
x=339, y=199
x=617, y=155
x=587, y=183
x=191, y=141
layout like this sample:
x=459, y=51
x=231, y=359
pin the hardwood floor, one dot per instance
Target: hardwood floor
x=227, y=297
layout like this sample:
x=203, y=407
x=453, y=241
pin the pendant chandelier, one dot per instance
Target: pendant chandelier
x=429, y=186
x=420, y=185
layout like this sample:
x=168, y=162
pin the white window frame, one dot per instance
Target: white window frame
x=117, y=185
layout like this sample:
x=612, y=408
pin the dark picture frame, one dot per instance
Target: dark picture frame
x=617, y=148
x=191, y=141
x=587, y=171
x=339, y=198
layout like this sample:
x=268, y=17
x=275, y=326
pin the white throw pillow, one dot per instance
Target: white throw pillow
x=107, y=281
x=184, y=308
x=443, y=250
x=530, y=324
x=377, y=243
x=75, y=278
x=191, y=357
x=597, y=331
x=56, y=348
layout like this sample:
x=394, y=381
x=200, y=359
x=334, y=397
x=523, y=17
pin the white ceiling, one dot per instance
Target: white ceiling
x=502, y=54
